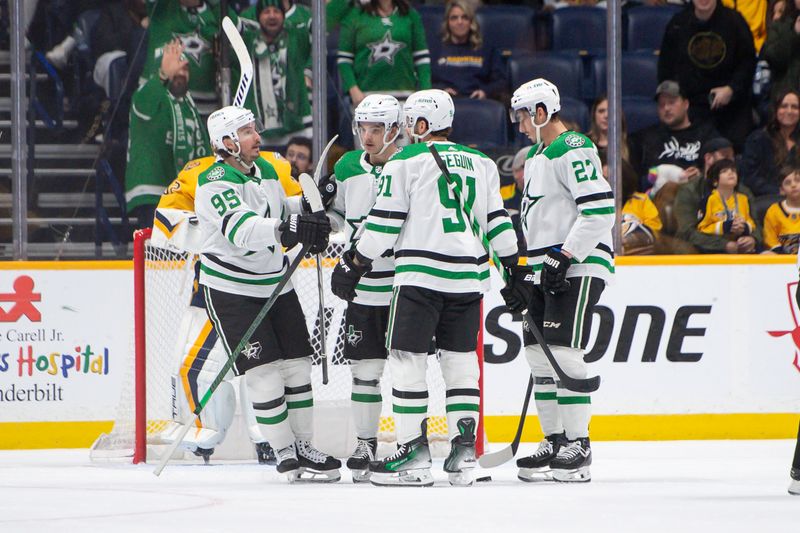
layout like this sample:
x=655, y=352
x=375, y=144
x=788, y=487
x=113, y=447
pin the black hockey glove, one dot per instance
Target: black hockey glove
x=347, y=274
x=306, y=229
x=327, y=192
x=519, y=288
x=554, y=272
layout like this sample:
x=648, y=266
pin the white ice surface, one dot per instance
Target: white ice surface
x=682, y=486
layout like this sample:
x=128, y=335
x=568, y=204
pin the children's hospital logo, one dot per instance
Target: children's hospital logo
x=795, y=332
x=15, y=305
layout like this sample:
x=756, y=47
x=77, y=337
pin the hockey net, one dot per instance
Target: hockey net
x=163, y=284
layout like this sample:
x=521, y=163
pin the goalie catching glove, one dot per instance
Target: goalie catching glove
x=519, y=285
x=347, y=274
x=306, y=229
x=327, y=193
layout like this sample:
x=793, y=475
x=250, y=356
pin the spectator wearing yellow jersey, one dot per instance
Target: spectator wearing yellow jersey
x=782, y=221
x=725, y=211
x=641, y=223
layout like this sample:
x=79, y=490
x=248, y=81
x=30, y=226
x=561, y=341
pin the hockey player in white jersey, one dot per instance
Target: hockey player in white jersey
x=441, y=271
x=377, y=123
x=568, y=213
x=246, y=219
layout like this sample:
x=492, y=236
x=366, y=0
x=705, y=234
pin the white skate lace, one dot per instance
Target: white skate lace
x=545, y=448
x=286, y=453
x=309, y=452
x=363, y=451
x=398, y=454
x=573, y=450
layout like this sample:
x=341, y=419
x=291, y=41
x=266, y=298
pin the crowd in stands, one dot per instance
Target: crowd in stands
x=711, y=97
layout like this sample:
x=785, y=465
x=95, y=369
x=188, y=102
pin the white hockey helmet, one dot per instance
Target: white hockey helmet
x=531, y=94
x=434, y=105
x=382, y=109
x=226, y=122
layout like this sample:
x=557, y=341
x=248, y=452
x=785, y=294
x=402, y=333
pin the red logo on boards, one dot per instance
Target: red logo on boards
x=15, y=305
x=795, y=333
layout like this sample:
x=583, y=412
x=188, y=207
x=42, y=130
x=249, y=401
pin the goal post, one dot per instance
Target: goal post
x=163, y=280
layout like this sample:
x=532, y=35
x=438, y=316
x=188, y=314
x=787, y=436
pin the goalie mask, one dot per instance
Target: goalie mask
x=435, y=106
x=381, y=109
x=226, y=122
x=531, y=94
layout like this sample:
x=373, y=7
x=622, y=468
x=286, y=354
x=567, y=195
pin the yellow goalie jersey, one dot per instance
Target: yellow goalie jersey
x=175, y=224
x=782, y=228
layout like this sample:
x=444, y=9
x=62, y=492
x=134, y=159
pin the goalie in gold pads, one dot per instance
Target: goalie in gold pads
x=200, y=356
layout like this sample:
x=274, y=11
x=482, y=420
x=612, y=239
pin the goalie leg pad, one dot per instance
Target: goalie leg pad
x=202, y=358
x=574, y=408
x=366, y=400
x=544, y=390
x=299, y=398
x=460, y=372
x=265, y=387
x=409, y=393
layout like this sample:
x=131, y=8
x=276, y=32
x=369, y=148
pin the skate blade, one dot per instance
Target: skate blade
x=575, y=475
x=408, y=478
x=309, y=475
x=460, y=479
x=794, y=488
x=535, y=475
x=361, y=476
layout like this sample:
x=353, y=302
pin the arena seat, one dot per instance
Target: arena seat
x=646, y=25
x=480, y=123
x=581, y=29
x=639, y=74
x=566, y=71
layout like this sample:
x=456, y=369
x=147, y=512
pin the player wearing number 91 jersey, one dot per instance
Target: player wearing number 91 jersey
x=567, y=213
x=441, y=271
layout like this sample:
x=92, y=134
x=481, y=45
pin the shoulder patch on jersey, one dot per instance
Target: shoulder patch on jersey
x=575, y=141
x=215, y=173
x=348, y=165
x=192, y=164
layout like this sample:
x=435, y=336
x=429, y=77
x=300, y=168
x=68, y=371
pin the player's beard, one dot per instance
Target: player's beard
x=179, y=86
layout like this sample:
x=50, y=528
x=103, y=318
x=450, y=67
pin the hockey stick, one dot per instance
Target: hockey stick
x=320, y=287
x=312, y=195
x=243, y=56
x=573, y=384
x=491, y=460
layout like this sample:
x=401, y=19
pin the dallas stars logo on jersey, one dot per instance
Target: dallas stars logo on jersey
x=384, y=50
x=252, y=350
x=195, y=47
x=354, y=336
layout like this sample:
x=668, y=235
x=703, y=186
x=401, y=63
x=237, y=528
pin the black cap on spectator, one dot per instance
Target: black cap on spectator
x=670, y=88
x=712, y=145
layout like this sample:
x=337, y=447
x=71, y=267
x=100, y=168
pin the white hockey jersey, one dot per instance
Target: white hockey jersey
x=567, y=204
x=357, y=182
x=417, y=214
x=239, y=216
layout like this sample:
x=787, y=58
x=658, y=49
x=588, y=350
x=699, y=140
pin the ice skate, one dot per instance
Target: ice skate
x=205, y=453
x=536, y=467
x=794, y=486
x=316, y=466
x=409, y=466
x=265, y=454
x=461, y=461
x=359, y=462
x=288, y=463
x=572, y=462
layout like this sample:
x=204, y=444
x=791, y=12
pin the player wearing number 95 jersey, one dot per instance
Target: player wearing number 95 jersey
x=567, y=214
x=441, y=271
